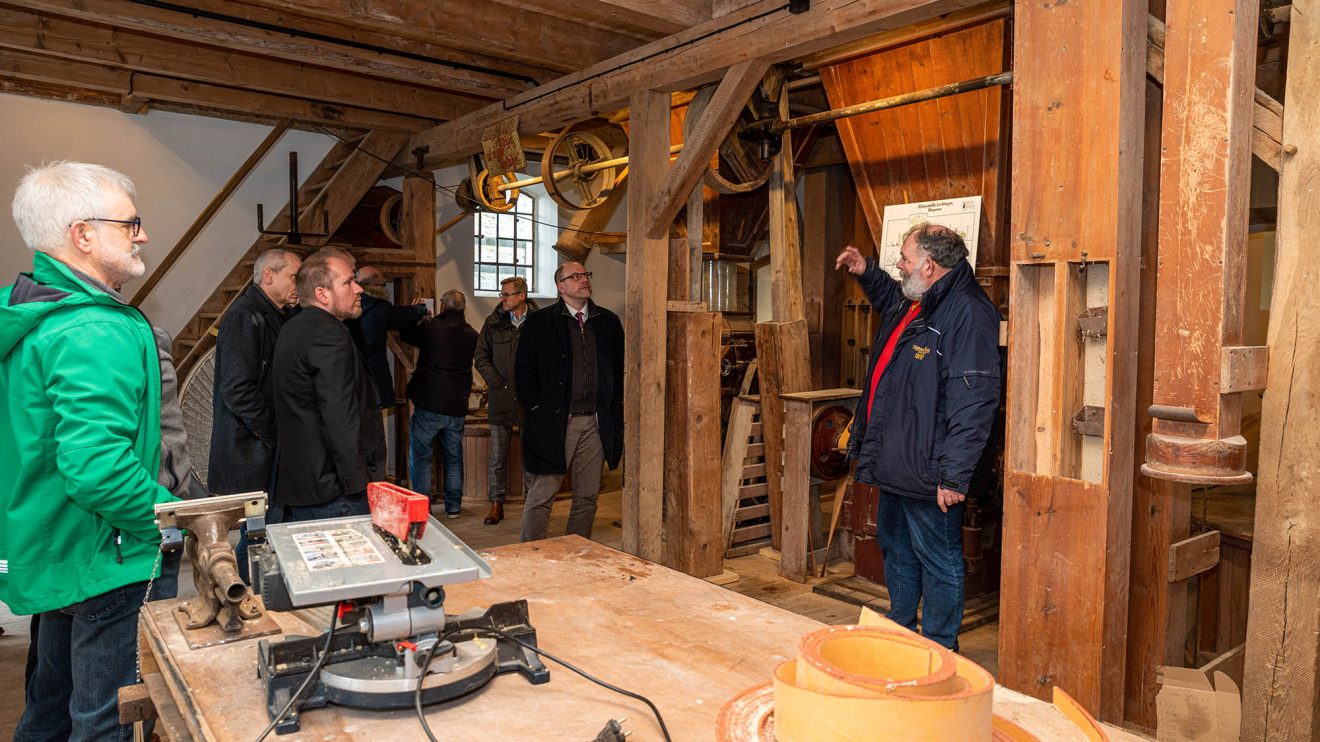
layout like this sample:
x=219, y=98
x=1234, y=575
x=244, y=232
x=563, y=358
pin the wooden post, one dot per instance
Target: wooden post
x=1205, y=184
x=418, y=227
x=1283, y=628
x=1076, y=226
x=795, y=537
x=693, y=523
x=785, y=252
x=782, y=367
x=827, y=205
x=644, y=333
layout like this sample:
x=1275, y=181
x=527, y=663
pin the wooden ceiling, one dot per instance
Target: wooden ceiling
x=402, y=65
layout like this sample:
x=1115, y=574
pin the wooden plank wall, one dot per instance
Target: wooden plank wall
x=945, y=148
x=1283, y=627
x=1078, y=111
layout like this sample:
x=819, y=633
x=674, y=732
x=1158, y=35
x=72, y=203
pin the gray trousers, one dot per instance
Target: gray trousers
x=497, y=477
x=583, y=455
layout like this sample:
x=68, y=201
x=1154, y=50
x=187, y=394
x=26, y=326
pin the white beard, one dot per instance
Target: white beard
x=124, y=266
x=913, y=288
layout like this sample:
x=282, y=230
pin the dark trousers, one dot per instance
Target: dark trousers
x=81, y=655
x=340, y=507
x=923, y=564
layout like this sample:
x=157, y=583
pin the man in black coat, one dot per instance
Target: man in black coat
x=439, y=390
x=243, y=411
x=331, y=441
x=569, y=375
x=924, y=417
x=372, y=329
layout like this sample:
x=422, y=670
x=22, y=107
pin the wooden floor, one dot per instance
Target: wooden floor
x=758, y=578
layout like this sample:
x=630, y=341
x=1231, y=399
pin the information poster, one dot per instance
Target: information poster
x=962, y=215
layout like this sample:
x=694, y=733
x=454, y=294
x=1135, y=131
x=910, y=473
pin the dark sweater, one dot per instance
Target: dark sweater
x=443, y=378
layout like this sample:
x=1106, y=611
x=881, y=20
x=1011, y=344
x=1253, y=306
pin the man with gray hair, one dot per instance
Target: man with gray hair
x=87, y=448
x=923, y=419
x=439, y=390
x=243, y=416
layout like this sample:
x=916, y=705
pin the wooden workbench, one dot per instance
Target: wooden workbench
x=688, y=645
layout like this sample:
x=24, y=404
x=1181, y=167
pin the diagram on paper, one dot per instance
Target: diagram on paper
x=962, y=215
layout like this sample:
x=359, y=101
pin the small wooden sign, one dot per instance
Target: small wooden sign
x=503, y=147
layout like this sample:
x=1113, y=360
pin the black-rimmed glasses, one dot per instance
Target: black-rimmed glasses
x=511, y=294
x=134, y=224
x=576, y=276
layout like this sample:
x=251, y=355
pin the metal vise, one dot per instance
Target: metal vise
x=222, y=596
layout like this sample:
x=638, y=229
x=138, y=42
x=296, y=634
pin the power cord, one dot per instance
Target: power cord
x=316, y=670
x=417, y=698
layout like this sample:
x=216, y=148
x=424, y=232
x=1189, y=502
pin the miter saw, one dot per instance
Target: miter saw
x=384, y=574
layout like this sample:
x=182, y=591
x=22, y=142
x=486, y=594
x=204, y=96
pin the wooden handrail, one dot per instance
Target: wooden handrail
x=210, y=211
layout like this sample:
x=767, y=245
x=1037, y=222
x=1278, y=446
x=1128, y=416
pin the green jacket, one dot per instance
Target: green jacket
x=79, y=441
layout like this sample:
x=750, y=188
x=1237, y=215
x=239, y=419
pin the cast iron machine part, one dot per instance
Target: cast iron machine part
x=222, y=597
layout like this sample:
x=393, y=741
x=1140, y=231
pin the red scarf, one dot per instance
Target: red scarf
x=888, y=352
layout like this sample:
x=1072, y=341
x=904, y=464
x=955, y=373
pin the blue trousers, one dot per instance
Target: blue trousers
x=81, y=656
x=340, y=507
x=425, y=427
x=923, y=564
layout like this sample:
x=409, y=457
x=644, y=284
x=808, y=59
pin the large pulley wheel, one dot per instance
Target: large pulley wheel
x=740, y=169
x=484, y=192
x=565, y=174
x=828, y=459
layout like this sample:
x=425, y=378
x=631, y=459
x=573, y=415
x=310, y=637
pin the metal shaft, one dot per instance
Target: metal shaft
x=592, y=168
x=942, y=91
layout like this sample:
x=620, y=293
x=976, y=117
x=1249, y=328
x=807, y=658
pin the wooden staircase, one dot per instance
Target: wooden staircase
x=745, y=492
x=335, y=187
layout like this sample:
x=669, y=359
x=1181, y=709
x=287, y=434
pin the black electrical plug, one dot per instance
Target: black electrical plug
x=612, y=732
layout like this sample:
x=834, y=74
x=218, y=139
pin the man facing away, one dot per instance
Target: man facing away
x=82, y=448
x=243, y=413
x=439, y=390
x=924, y=417
x=569, y=377
x=494, y=359
x=331, y=441
x=371, y=330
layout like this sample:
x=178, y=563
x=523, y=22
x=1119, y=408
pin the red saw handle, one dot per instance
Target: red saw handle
x=396, y=509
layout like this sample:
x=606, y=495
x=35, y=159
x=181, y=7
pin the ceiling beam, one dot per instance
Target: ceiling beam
x=24, y=30
x=649, y=18
x=83, y=75
x=48, y=91
x=700, y=54
x=539, y=39
x=240, y=37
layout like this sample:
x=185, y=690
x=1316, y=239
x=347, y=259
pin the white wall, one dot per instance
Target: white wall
x=178, y=163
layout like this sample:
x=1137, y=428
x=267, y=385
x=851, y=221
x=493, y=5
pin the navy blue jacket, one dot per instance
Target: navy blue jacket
x=935, y=404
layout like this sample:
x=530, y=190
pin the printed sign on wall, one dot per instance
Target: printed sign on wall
x=962, y=215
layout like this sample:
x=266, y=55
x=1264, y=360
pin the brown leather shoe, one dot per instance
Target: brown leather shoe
x=495, y=515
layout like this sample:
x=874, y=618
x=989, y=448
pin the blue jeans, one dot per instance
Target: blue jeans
x=340, y=507
x=425, y=428
x=923, y=563
x=85, y=653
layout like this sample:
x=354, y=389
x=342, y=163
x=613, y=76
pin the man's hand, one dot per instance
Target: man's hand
x=948, y=498
x=852, y=260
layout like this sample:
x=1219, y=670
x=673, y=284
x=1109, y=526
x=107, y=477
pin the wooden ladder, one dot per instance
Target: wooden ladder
x=745, y=491
x=351, y=167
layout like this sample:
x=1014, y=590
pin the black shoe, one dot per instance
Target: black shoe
x=495, y=515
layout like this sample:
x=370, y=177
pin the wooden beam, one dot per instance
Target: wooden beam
x=693, y=525
x=204, y=218
x=1267, y=113
x=27, y=31
x=61, y=92
x=226, y=100
x=785, y=247
x=703, y=143
x=1243, y=368
x=825, y=213
x=417, y=223
x=795, y=513
x=556, y=43
x=644, y=328
x=1077, y=137
x=764, y=29
x=1283, y=628
x=899, y=36
x=1194, y=555
x=1205, y=184
x=650, y=17
x=22, y=65
x=269, y=43
x=782, y=367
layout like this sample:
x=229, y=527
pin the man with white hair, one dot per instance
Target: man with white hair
x=924, y=418
x=83, y=447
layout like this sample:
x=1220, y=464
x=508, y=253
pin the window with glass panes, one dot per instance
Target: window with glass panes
x=505, y=245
